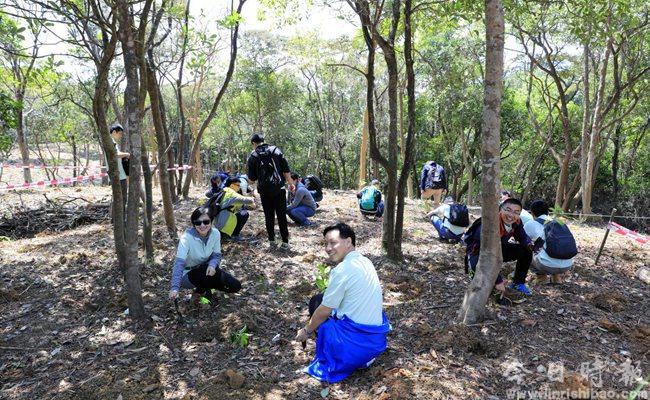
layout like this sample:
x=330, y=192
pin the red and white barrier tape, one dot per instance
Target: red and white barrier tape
x=621, y=230
x=54, y=182
x=176, y=167
x=43, y=166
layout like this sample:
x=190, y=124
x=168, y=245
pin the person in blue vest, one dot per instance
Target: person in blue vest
x=302, y=204
x=370, y=200
x=442, y=221
x=348, y=318
x=543, y=264
x=197, y=260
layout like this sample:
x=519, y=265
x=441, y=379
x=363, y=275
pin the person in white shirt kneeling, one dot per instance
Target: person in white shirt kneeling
x=543, y=264
x=348, y=318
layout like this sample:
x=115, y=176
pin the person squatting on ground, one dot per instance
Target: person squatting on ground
x=450, y=220
x=433, y=181
x=302, y=205
x=562, y=244
x=227, y=209
x=215, y=185
x=197, y=260
x=348, y=318
x=370, y=200
x=525, y=215
x=510, y=226
x=268, y=167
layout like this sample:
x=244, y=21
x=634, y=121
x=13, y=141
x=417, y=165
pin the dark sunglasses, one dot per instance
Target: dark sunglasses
x=202, y=222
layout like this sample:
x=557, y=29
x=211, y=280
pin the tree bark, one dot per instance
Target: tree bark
x=363, y=154
x=587, y=184
x=163, y=173
x=490, y=258
x=129, y=40
x=213, y=111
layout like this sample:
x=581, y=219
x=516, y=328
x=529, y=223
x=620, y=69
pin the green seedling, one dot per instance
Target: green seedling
x=558, y=214
x=322, y=277
x=204, y=300
x=241, y=337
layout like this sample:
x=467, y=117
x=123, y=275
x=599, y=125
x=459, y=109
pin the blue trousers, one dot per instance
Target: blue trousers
x=443, y=231
x=300, y=214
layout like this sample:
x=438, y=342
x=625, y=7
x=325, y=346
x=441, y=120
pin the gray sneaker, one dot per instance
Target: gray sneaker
x=284, y=246
x=273, y=244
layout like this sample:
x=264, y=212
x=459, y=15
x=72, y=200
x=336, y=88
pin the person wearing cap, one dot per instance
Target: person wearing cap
x=268, y=168
x=230, y=217
x=117, y=131
x=370, y=200
x=303, y=205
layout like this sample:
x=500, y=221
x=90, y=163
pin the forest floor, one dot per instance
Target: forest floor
x=64, y=333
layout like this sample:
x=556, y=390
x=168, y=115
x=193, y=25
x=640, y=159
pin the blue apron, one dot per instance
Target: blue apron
x=343, y=346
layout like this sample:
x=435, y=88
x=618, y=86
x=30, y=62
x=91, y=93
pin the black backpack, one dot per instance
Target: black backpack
x=459, y=215
x=313, y=183
x=269, y=177
x=472, y=240
x=214, y=204
x=559, y=242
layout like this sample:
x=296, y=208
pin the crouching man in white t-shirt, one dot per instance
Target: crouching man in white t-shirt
x=348, y=318
x=542, y=263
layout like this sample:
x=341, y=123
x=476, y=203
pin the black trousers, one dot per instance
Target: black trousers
x=523, y=255
x=314, y=302
x=221, y=280
x=275, y=203
x=242, y=217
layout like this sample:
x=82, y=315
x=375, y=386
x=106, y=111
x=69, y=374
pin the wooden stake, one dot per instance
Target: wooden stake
x=602, y=245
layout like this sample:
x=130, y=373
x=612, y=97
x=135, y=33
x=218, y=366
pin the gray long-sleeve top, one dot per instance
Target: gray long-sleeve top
x=302, y=197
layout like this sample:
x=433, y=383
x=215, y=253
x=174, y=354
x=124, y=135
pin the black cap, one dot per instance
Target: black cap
x=116, y=127
x=257, y=138
x=232, y=180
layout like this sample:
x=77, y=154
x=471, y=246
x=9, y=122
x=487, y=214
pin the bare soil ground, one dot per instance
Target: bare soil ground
x=64, y=334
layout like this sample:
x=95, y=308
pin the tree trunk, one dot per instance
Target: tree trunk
x=22, y=140
x=217, y=101
x=363, y=155
x=163, y=173
x=147, y=220
x=615, y=160
x=586, y=116
x=490, y=258
x=595, y=134
x=133, y=114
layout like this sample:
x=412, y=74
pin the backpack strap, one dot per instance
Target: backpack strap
x=540, y=220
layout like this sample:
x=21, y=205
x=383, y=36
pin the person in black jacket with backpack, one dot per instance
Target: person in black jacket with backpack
x=520, y=250
x=269, y=169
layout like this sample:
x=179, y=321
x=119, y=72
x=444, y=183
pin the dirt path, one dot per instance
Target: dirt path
x=64, y=335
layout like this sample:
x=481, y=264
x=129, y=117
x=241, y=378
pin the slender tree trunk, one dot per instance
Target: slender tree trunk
x=586, y=117
x=147, y=220
x=133, y=129
x=194, y=160
x=615, y=160
x=490, y=258
x=163, y=173
x=22, y=140
x=363, y=155
x=595, y=133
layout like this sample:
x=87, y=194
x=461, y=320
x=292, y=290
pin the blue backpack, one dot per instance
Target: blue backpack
x=368, y=198
x=559, y=242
